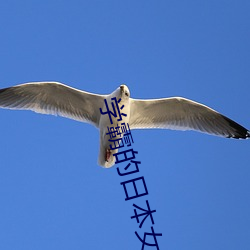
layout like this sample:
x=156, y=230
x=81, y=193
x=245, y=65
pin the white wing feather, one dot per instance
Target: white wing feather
x=182, y=114
x=53, y=98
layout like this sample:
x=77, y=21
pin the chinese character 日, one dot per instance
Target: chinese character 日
x=137, y=194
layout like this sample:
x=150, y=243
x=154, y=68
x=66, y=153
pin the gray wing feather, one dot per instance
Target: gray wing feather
x=53, y=98
x=182, y=114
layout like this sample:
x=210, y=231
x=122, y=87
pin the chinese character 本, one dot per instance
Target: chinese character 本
x=147, y=211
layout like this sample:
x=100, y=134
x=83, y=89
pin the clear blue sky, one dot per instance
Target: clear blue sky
x=54, y=195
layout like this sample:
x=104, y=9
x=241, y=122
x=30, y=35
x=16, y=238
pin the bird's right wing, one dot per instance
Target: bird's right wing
x=54, y=98
x=182, y=114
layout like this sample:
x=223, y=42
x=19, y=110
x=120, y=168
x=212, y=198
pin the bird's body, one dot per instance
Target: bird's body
x=104, y=159
x=167, y=113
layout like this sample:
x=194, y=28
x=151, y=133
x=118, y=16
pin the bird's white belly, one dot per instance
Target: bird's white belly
x=105, y=125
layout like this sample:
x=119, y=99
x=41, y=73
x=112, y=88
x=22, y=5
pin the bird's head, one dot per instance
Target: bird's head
x=124, y=91
x=121, y=92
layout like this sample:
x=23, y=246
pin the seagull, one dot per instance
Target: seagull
x=175, y=113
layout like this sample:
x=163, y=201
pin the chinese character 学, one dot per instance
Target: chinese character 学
x=115, y=110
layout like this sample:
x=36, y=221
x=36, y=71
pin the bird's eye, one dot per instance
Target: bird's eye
x=126, y=93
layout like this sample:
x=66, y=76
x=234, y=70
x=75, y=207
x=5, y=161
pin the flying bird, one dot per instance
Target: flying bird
x=175, y=113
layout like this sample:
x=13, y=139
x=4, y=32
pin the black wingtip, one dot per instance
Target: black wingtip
x=239, y=131
x=248, y=134
x=3, y=90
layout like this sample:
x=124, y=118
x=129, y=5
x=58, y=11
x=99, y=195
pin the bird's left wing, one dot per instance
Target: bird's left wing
x=182, y=114
x=53, y=98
